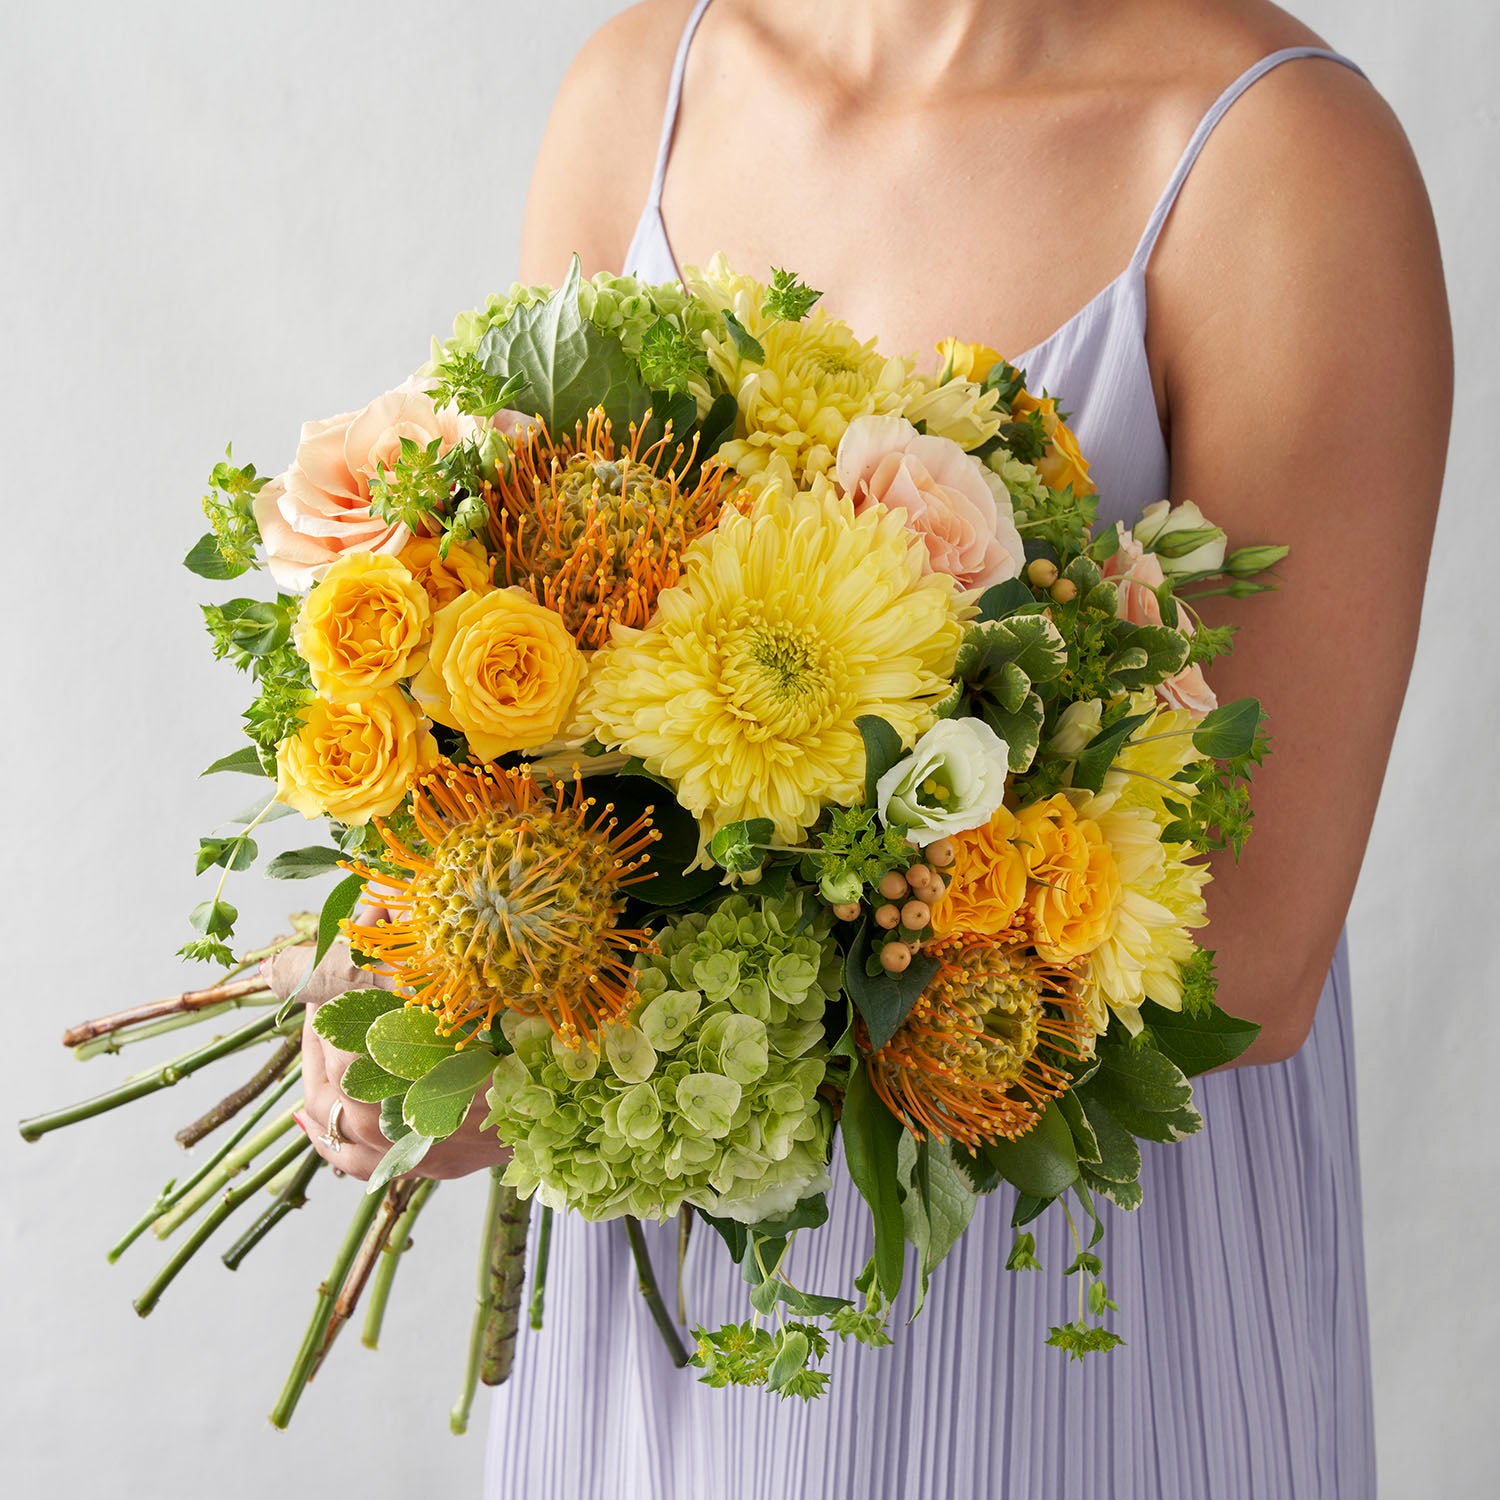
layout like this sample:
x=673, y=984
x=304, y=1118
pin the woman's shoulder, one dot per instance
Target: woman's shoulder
x=593, y=173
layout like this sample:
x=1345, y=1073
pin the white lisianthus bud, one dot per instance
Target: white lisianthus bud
x=1076, y=726
x=952, y=781
x=1166, y=529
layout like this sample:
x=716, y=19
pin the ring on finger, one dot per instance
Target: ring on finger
x=332, y=1137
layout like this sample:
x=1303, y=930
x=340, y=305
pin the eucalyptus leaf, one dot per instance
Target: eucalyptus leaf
x=438, y=1101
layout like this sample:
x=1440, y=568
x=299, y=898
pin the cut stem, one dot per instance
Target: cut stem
x=188, y=1000
x=539, y=1276
x=116, y=1041
x=211, y=1221
x=646, y=1278
x=232, y=1103
x=292, y=1196
x=684, y=1234
x=507, y=1281
x=152, y=1082
x=458, y=1418
x=317, y=1328
x=390, y=1258
x=232, y=1165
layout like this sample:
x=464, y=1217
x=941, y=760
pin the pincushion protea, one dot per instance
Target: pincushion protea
x=595, y=529
x=984, y=1047
x=512, y=904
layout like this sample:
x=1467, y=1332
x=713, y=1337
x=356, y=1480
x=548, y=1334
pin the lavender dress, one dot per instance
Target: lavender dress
x=1240, y=1281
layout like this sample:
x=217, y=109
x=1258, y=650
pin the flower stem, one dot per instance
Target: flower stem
x=652, y=1293
x=458, y=1418
x=317, y=1328
x=232, y=1165
x=116, y=1041
x=185, y=1003
x=684, y=1234
x=390, y=1257
x=507, y=1268
x=175, y=1192
x=211, y=1221
x=539, y=1276
x=232, y=1103
x=292, y=1196
x=151, y=1082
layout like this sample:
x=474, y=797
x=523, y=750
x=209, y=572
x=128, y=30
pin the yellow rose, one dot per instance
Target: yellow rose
x=354, y=761
x=963, y=361
x=1074, y=883
x=503, y=669
x=1063, y=462
x=988, y=881
x=362, y=627
x=466, y=567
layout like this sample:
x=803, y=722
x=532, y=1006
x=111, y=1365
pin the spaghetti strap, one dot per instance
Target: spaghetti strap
x=674, y=99
x=1215, y=113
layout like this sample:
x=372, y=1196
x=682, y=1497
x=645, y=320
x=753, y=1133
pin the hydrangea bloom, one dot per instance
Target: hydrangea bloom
x=708, y=1097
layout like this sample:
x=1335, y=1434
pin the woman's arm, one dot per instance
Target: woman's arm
x=1303, y=328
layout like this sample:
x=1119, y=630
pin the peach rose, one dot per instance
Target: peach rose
x=1137, y=574
x=321, y=506
x=964, y=524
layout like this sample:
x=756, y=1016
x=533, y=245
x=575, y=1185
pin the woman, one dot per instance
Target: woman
x=1277, y=347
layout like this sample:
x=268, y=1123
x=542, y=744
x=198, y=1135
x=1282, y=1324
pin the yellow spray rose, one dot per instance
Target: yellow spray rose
x=354, y=761
x=466, y=568
x=988, y=881
x=1063, y=462
x=362, y=628
x=503, y=669
x=963, y=361
x=1074, y=884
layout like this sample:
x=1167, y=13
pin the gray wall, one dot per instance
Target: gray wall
x=220, y=220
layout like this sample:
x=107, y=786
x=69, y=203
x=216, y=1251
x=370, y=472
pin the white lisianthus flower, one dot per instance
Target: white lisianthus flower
x=1076, y=726
x=1160, y=522
x=952, y=781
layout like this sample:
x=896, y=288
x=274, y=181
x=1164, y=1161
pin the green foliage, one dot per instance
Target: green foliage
x=236, y=853
x=243, y=630
x=1197, y=1040
x=745, y=344
x=872, y=1139
x=1214, y=812
x=856, y=847
x=883, y=748
x=304, y=864
x=1080, y=1338
x=1058, y=518
x=246, y=760
x=228, y=548
x=865, y=1325
x=1022, y=1255
x=345, y=1021
x=939, y=1202
x=999, y=668
x=788, y=298
x=738, y=847
x=1041, y=1163
x=365, y=1080
x=437, y=1102
x=416, y=490
x=882, y=999
x=669, y=359
x=1200, y=983
x=407, y=1042
x=207, y=950
x=405, y=1153
x=1210, y=642
x=736, y=1354
x=460, y=379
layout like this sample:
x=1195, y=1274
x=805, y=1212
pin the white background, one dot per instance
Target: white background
x=217, y=221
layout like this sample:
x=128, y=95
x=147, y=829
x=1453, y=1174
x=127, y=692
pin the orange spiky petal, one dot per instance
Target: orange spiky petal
x=513, y=905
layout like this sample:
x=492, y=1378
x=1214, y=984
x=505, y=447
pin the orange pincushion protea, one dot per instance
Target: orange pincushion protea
x=513, y=904
x=596, y=530
x=968, y=1062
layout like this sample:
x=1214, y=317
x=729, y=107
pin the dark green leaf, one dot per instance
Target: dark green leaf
x=883, y=999
x=1119, y=1157
x=1099, y=755
x=368, y=1082
x=1085, y=1142
x=339, y=902
x=872, y=1137
x=246, y=760
x=303, y=864
x=1229, y=730
x=738, y=847
x=1197, y=1043
x=745, y=344
x=1002, y=599
x=214, y=918
x=207, y=561
x=883, y=749
x=1043, y=1162
x=438, y=1101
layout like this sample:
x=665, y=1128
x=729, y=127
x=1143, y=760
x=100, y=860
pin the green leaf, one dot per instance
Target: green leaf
x=764, y=1298
x=304, y=864
x=1006, y=598
x=392, y=1126
x=337, y=905
x=1085, y=1142
x=438, y=1101
x=883, y=999
x=345, y=1020
x=406, y=1042
x=368, y=1082
x=569, y=364
x=1229, y=730
x=883, y=749
x=745, y=344
x=207, y=561
x=402, y=1157
x=1099, y=754
x=245, y=760
x=236, y=853
x=938, y=1206
x=214, y=919
x=792, y=1354
x=741, y=846
x=1166, y=652
x=872, y=1138
x=1141, y=1076
x=667, y=880
x=1041, y=1163
x=1197, y=1043
x=1119, y=1159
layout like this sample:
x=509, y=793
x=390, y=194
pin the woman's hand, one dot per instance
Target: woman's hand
x=467, y=1150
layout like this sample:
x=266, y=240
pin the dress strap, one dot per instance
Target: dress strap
x=1205, y=128
x=674, y=98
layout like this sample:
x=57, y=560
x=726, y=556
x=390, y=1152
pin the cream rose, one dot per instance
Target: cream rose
x=1165, y=528
x=320, y=507
x=952, y=781
x=948, y=497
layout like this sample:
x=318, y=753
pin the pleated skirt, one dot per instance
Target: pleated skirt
x=1245, y=1373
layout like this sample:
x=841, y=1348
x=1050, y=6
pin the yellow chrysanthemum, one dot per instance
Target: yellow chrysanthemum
x=1142, y=773
x=1160, y=899
x=788, y=624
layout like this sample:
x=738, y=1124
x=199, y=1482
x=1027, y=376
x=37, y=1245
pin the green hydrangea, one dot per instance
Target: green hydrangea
x=1021, y=479
x=708, y=1097
x=621, y=305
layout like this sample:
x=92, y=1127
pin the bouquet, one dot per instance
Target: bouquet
x=748, y=748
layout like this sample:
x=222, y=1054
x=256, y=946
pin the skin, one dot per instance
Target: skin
x=986, y=167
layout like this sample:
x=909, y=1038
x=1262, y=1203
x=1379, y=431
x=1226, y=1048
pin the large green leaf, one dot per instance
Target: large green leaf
x=368, y=1082
x=1099, y=754
x=345, y=1020
x=1119, y=1158
x=569, y=364
x=938, y=1206
x=1229, y=730
x=304, y=864
x=404, y=1154
x=883, y=999
x=406, y=1042
x=883, y=748
x=1201, y=1041
x=1041, y=1163
x=872, y=1137
x=337, y=905
x=438, y=1101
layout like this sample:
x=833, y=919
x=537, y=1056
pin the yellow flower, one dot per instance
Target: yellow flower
x=1074, y=883
x=1161, y=747
x=963, y=361
x=988, y=881
x=788, y=624
x=956, y=409
x=1062, y=463
x=466, y=568
x=503, y=669
x=354, y=761
x=363, y=626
